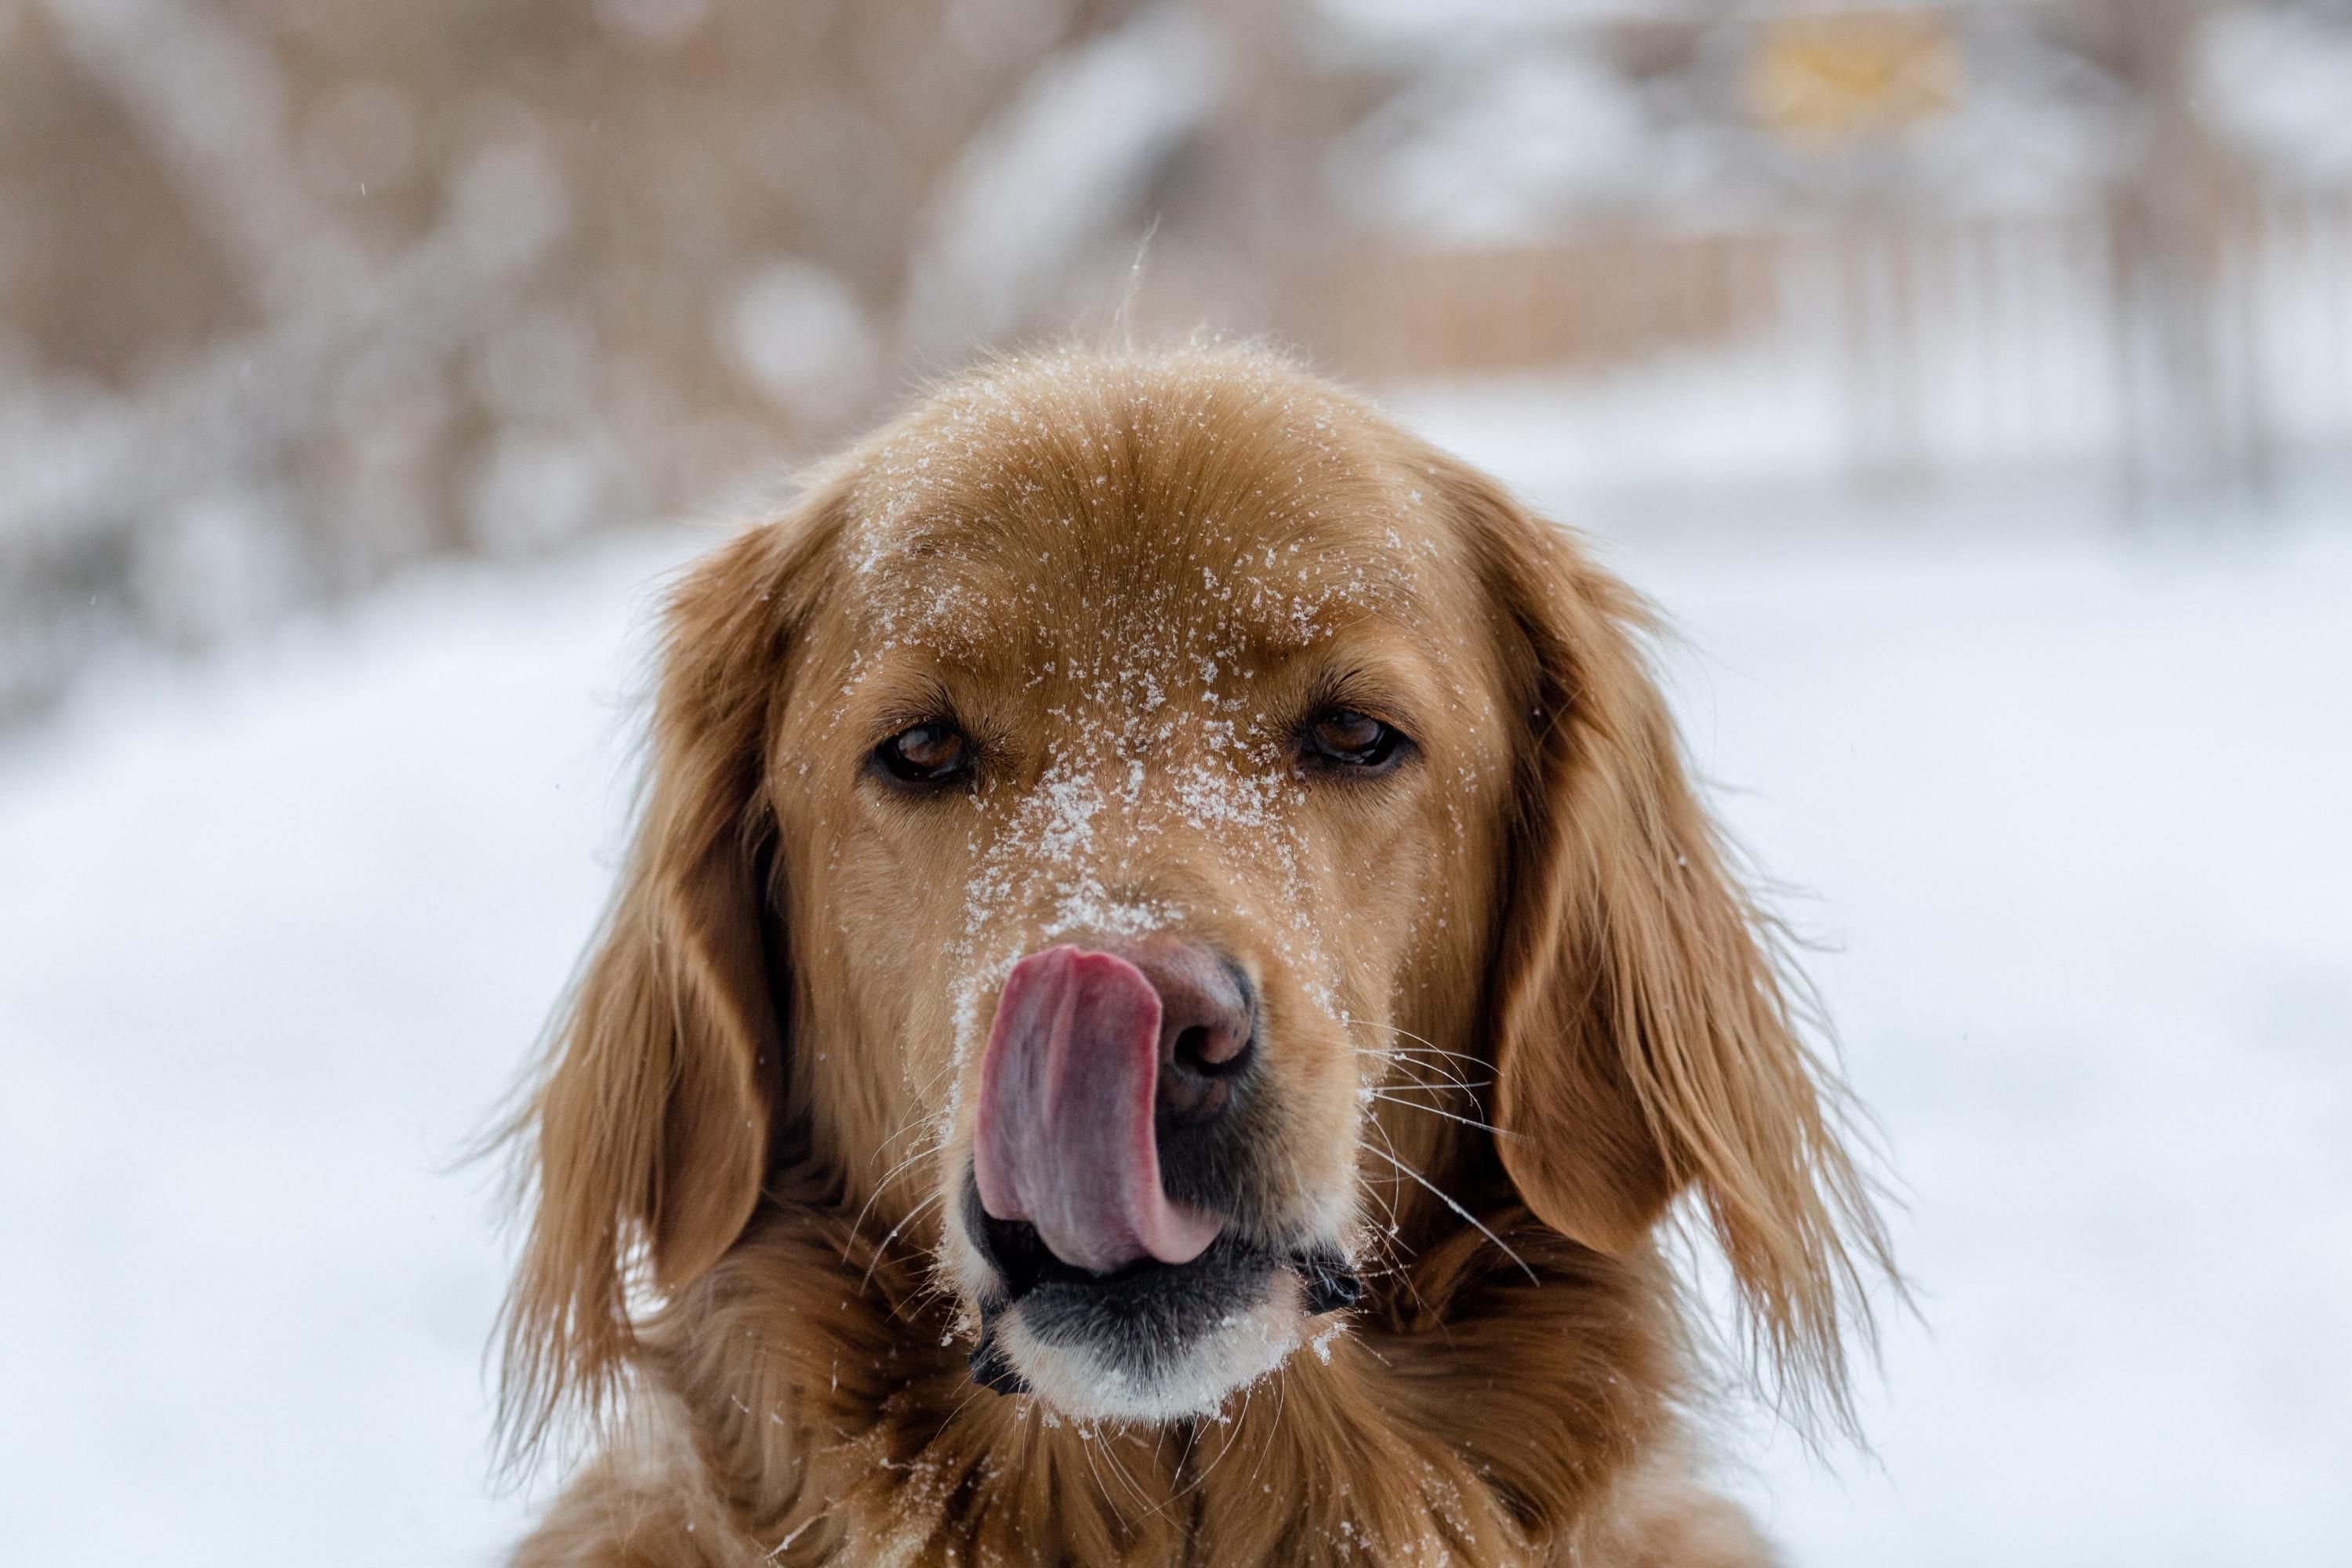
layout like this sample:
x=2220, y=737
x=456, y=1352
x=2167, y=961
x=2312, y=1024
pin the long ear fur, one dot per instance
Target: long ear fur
x=646, y=1143
x=1645, y=1040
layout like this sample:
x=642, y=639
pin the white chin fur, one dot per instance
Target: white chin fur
x=1080, y=1383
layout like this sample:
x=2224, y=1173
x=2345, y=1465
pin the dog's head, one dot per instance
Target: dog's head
x=1168, y=839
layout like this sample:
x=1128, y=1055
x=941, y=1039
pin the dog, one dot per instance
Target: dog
x=1170, y=995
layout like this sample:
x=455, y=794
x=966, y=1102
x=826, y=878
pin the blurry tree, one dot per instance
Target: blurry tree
x=292, y=292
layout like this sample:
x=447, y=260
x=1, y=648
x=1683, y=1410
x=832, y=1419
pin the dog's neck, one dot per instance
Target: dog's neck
x=1464, y=1409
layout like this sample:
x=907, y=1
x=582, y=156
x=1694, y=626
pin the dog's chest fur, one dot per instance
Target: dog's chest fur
x=805, y=1411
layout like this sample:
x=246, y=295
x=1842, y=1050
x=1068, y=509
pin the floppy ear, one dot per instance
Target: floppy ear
x=1644, y=1040
x=646, y=1142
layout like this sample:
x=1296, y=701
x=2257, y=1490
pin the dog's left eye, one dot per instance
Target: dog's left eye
x=927, y=756
x=1342, y=737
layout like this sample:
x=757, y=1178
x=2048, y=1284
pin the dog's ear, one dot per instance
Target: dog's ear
x=1644, y=1038
x=646, y=1143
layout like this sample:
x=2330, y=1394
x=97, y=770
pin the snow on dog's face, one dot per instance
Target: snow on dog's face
x=1137, y=717
x=1117, y=846
x=1146, y=850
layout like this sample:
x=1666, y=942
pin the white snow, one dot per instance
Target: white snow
x=2073, y=816
x=276, y=934
x=278, y=929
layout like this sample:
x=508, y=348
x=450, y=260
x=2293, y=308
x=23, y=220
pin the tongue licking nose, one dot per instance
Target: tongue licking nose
x=1065, y=1136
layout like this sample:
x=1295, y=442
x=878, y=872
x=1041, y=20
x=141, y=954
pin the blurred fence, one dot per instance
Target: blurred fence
x=1904, y=352
x=295, y=291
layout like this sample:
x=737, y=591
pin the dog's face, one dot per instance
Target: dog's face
x=1121, y=778
x=1157, y=838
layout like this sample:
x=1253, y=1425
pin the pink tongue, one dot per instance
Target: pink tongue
x=1067, y=1093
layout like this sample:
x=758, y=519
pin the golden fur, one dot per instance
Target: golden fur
x=1125, y=571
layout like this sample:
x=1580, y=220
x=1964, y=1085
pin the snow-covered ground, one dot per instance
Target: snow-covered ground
x=2075, y=819
x=274, y=931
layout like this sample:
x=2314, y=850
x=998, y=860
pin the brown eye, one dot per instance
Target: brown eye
x=927, y=756
x=1342, y=737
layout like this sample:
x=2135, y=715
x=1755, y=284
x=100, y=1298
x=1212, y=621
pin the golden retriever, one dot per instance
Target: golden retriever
x=1169, y=980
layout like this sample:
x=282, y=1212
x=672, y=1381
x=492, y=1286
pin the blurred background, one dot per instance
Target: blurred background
x=1972, y=382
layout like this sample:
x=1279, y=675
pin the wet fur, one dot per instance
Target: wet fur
x=1511, y=1391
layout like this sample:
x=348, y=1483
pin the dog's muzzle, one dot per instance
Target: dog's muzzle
x=1104, y=1072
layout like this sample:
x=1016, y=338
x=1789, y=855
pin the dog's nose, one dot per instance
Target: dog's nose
x=1208, y=1017
x=1068, y=1130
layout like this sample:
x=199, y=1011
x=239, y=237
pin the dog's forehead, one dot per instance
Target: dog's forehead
x=1056, y=585
x=1186, y=521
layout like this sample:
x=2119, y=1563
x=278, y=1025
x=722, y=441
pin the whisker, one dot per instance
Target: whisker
x=1118, y=1467
x=879, y=1187
x=920, y=1119
x=1410, y=1076
x=922, y=1093
x=1426, y=1047
x=1281, y=1402
x=1451, y=1086
x=882, y=1247
x=1438, y=1110
x=1099, y=1453
x=1388, y=1200
x=963, y=1406
x=1392, y=1239
x=1422, y=1062
x=1439, y=1193
x=1184, y=1461
x=1238, y=1423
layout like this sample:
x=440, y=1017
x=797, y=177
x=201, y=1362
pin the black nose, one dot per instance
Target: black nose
x=1208, y=1023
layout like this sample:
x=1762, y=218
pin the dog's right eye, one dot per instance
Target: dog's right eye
x=926, y=756
x=1343, y=737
